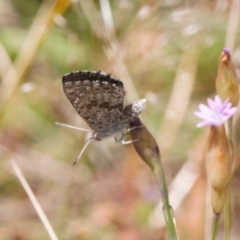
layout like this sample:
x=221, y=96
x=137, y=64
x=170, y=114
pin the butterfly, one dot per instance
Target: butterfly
x=99, y=100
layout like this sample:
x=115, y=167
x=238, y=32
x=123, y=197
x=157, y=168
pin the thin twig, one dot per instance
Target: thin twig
x=34, y=200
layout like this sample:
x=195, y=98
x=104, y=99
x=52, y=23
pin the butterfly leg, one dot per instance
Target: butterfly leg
x=129, y=132
x=133, y=128
x=129, y=141
x=119, y=139
x=122, y=139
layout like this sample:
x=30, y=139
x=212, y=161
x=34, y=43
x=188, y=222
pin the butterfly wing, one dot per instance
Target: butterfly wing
x=97, y=97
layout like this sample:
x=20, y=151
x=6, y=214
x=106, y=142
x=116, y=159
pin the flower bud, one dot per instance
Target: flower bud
x=218, y=165
x=144, y=143
x=227, y=82
x=218, y=199
x=217, y=157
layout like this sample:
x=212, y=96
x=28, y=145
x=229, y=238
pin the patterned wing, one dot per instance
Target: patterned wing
x=97, y=97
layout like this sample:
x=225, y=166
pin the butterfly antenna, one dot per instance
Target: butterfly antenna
x=72, y=127
x=80, y=154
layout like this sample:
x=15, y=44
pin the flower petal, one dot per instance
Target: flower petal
x=211, y=103
x=218, y=101
x=204, y=109
x=217, y=113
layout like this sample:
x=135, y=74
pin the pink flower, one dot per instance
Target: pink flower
x=216, y=113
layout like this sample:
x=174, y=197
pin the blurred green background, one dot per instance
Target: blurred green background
x=165, y=51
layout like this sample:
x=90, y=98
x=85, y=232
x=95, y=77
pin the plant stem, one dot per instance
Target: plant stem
x=228, y=215
x=148, y=150
x=228, y=195
x=215, y=226
x=167, y=209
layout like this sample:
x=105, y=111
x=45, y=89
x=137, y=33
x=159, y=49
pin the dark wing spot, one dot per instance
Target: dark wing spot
x=105, y=105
